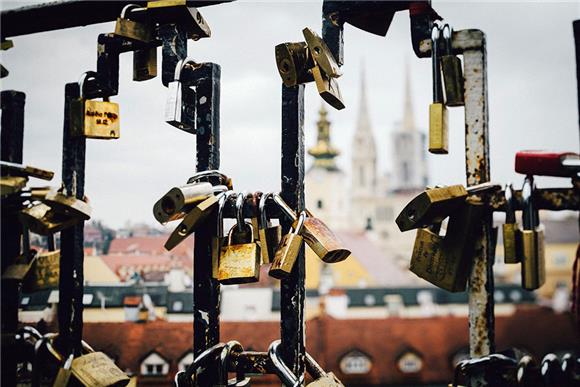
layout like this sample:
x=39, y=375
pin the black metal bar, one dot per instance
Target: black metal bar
x=109, y=47
x=71, y=280
x=576, y=27
x=11, y=139
x=57, y=15
x=553, y=199
x=251, y=362
x=174, y=48
x=206, y=293
x=332, y=31
x=292, y=291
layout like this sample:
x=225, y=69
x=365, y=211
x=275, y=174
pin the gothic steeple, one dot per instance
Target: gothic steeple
x=408, y=120
x=323, y=152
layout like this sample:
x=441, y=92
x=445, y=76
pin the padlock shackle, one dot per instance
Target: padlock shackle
x=262, y=208
x=180, y=65
x=84, y=77
x=300, y=223
x=223, y=199
x=284, y=373
x=202, y=357
x=241, y=197
x=285, y=207
x=224, y=179
x=126, y=8
x=529, y=214
x=224, y=360
x=447, y=37
x=510, y=213
x=437, y=86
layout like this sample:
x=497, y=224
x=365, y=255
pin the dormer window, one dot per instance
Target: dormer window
x=154, y=365
x=185, y=361
x=355, y=363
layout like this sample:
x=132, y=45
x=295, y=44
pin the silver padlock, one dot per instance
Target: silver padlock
x=180, y=105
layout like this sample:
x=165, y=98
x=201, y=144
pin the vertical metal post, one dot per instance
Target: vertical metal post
x=477, y=170
x=332, y=32
x=576, y=28
x=292, y=289
x=71, y=279
x=173, y=49
x=11, y=140
x=206, y=290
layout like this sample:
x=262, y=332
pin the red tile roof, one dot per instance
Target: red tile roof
x=152, y=245
x=121, y=264
x=436, y=340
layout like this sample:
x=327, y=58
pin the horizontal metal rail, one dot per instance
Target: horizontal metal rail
x=58, y=15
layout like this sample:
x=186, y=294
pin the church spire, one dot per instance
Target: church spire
x=323, y=152
x=364, y=122
x=408, y=120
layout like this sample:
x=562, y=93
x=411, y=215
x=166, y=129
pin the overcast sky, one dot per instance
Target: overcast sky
x=531, y=81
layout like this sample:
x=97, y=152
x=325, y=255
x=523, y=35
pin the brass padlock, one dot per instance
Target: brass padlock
x=287, y=251
x=445, y=261
x=438, y=130
x=144, y=64
x=41, y=219
x=177, y=12
x=14, y=169
x=328, y=88
x=64, y=373
x=193, y=219
x=180, y=105
x=44, y=272
x=510, y=229
x=66, y=205
x=218, y=240
x=10, y=185
x=321, y=54
x=20, y=268
x=321, y=377
x=94, y=119
x=178, y=201
x=130, y=26
x=239, y=261
x=532, y=241
x=269, y=235
x=317, y=235
x=452, y=72
x=294, y=62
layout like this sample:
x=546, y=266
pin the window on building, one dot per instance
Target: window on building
x=319, y=204
x=560, y=260
x=410, y=362
x=154, y=364
x=406, y=172
x=355, y=362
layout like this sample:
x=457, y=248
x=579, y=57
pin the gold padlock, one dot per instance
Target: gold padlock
x=438, y=130
x=532, y=241
x=94, y=119
x=177, y=12
x=66, y=205
x=218, y=240
x=192, y=220
x=328, y=88
x=20, y=268
x=317, y=235
x=510, y=229
x=452, y=72
x=12, y=184
x=129, y=28
x=239, y=261
x=44, y=272
x=446, y=261
x=144, y=64
x=288, y=251
x=321, y=54
x=269, y=235
x=14, y=169
x=179, y=201
x=41, y=219
x=294, y=62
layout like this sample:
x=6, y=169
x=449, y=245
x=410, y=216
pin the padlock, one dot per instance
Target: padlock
x=240, y=259
x=130, y=26
x=66, y=205
x=44, y=272
x=510, y=228
x=41, y=219
x=445, y=261
x=144, y=64
x=177, y=12
x=194, y=219
x=328, y=88
x=287, y=251
x=321, y=54
x=180, y=105
x=452, y=71
x=10, y=185
x=269, y=235
x=294, y=62
x=438, y=130
x=218, y=239
x=94, y=119
x=13, y=169
x=64, y=373
x=178, y=201
x=317, y=235
x=532, y=241
x=321, y=377
x=20, y=268
x=231, y=349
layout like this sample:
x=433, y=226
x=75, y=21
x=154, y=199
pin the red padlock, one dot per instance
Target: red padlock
x=542, y=163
